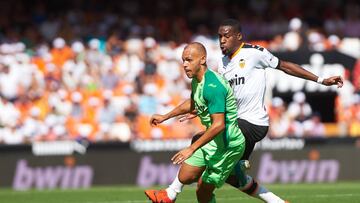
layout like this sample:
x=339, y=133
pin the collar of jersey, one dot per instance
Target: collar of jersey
x=237, y=51
x=203, y=78
x=230, y=58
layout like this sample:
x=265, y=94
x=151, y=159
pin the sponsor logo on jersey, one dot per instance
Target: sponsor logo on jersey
x=200, y=108
x=242, y=63
x=237, y=80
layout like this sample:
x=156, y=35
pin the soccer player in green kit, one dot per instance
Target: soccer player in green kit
x=222, y=144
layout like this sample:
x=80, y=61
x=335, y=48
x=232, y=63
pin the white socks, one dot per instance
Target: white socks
x=262, y=193
x=267, y=196
x=270, y=197
x=175, y=188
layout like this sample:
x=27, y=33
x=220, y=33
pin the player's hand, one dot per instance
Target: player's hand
x=188, y=116
x=182, y=155
x=157, y=119
x=335, y=80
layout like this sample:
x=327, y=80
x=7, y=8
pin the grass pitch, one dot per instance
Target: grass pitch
x=295, y=193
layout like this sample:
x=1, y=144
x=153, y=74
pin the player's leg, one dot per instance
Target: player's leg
x=188, y=173
x=204, y=192
x=219, y=165
x=191, y=170
x=254, y=189
x=253, y=134
x=250, y=186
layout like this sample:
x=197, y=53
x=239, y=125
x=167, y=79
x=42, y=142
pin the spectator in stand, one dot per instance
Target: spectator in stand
x=33, y=128
x=299, y=109
x=292, y=39
x=107, y=113
x=114, y=45
x=280, y=121
x=9, y=88
x=38, y=70
x=60, y=52
x=121, y=130
x=110, y=79
x=148, y=102
x=74, y=68
x=354, y=124
x=313, y=127
x=77, y=111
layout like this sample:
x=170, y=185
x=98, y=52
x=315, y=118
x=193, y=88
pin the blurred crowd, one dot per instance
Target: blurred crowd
x=98, y=70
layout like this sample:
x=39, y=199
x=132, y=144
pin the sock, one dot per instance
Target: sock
x=175, y=188
x=252, y=188
x=270, y=197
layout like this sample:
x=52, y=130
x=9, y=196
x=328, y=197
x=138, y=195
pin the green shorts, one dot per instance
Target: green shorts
x=197, y=159
x=219, y=163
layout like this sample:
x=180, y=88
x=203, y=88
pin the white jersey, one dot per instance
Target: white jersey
x=245, y=71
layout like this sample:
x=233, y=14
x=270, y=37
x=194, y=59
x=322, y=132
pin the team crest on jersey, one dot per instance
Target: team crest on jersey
x=242, y=63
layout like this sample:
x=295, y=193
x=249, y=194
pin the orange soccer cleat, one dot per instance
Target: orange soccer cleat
x=158, y=196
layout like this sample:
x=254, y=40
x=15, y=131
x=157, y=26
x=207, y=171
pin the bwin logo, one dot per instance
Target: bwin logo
x=237, y=80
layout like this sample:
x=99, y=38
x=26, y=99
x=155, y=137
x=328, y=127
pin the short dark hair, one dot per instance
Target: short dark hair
x=233, y=23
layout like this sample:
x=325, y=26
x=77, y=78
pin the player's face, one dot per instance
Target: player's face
x=191, y=62
x=229, y=39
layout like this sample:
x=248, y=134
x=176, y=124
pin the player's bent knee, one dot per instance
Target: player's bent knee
x=187, y=179
x=190, y=174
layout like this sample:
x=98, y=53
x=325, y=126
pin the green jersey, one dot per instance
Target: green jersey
x=214, y=95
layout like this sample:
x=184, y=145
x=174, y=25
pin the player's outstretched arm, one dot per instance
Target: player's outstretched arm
x=185, y=107
x=335, y=80
x=216, y=127
x=297, y=71
x=188, y=116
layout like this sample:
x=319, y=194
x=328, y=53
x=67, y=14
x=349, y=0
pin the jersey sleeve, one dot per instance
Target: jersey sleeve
x=267, y=59
x=215, y=96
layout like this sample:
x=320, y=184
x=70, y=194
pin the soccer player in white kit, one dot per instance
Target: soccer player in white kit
x=244, y=67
